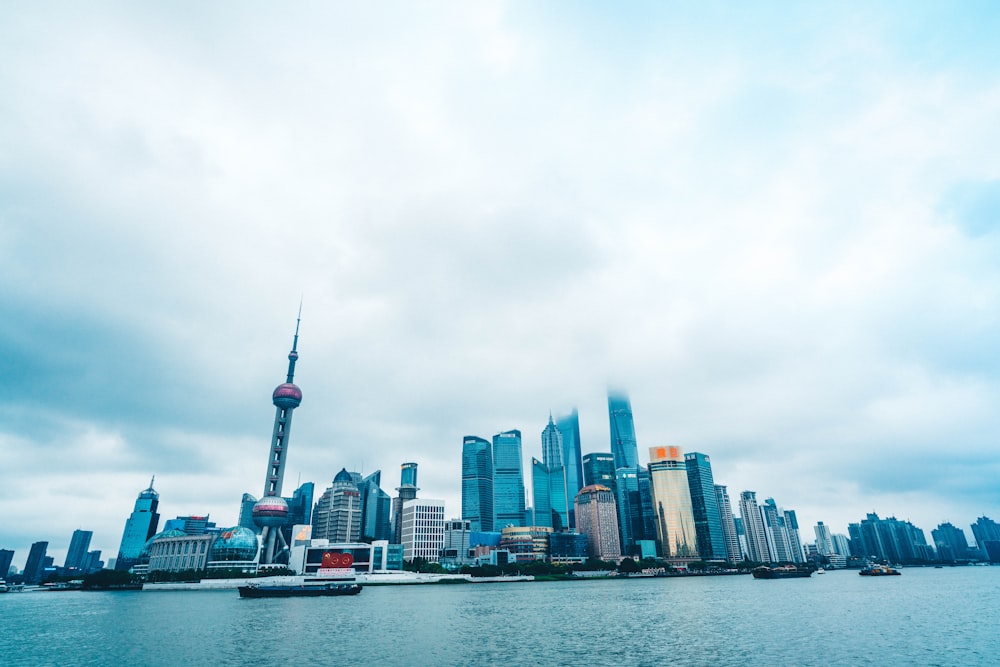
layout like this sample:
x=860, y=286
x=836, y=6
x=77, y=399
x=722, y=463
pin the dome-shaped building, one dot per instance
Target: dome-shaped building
x=144, y=554
x=234, y=544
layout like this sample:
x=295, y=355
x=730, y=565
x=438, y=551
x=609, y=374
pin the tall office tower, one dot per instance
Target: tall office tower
x=508, y=479
x=548, y=488
x=892, y=540
x=407, y=490
x=569, y=431
x=753, y=526
x=337, y=516
x=597, y=518
x=705, y=507
x=552, y=445
x=841, y=545
x=270, y=513
x=776, y=532
x=672, y=503
x=6, y=557
x=423, y=529
x=139, y=527
x=35, y=566
x=794, y=541
x=950, y=542
x=79, y=544
x=824, y=540
x=729, y=535
x=300, y=507
x=987, y=534
x=623, y=442
x=636, y=515
x=246, y=512
x=477, y=484
x=599, y=468
x=376, y=508
x=93, y=562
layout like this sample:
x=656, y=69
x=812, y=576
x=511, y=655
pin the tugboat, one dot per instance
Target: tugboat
x=781, y=572
x=878, y=571
x=298, y=590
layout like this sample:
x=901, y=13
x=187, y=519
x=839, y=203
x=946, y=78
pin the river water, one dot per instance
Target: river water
x=927, y=616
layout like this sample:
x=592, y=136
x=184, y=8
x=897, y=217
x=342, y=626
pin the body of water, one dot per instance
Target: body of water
x=927, y=616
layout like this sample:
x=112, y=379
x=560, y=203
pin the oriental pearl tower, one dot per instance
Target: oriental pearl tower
x=271, y=511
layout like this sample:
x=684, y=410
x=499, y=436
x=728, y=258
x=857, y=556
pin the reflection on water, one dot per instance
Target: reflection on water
x=925, y=617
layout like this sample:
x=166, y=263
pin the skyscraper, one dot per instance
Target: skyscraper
x=270, y=513
x=824, y=540
x=508, y=479
x=753, y=526
x=79, y=544
x=548, y=487
x=407, y=490
x=597, y=518
x=599, y=468
x=337, y=516
x=552, y=445
x=776, y=532
x=139, y=527
x=623, y=442
x=705, y=507
x=35, y=565
x=987, y=534
x=569, y=432
x=950, y=542
x=423, y=529
x=376, y=508
x=732, y=540
x=477, y=483
x=6, y=558
x=672, y=503
x=636, y=515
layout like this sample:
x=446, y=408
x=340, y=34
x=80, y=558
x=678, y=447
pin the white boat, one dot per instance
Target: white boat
x=820, y=570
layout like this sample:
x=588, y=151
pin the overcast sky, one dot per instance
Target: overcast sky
x=776, y=226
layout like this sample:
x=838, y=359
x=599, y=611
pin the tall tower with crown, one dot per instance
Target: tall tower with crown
x=271, y=511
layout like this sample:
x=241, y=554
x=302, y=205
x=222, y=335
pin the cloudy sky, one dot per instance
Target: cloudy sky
x=776, y=226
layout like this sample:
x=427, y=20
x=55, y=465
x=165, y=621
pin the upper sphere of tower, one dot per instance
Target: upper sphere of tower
x=293, y=355
x=287, y=395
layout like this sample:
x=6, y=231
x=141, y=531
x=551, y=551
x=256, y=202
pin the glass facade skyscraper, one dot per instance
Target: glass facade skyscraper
x=569, y=430
x=508, y=480
x=548, y=488
x=634, y=499
x=139, y=527
x=672, y=503
x=599, y=468
x=76, y=556
x=705, y=507
x=477, y=483
x=623, y=442
x=733, y=553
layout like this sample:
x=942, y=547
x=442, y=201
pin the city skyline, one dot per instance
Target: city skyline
x=776, y=227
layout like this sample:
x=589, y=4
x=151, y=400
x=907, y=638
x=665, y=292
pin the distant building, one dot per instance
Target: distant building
x=139, y=527
x=6, y=558
x=407, y=490
x=337, y=515
x=568, y=547
x=376, y=509
x=950, y=542
x=705, y=507
x=180, y=553
x=841, y=545
x=597, y=518
x=636, y=514
x=526, y=543
x=423, y=529
x=672, y=503
x=76, y=555
x=753, y=527
x=569, y=433
x=508, y=479
x=987, y=534
x=477, y=483
x=35, y=566
x=824, y=539
x=889, y=540
x=729, y=534
x=190, y=525
x=456, y=550
x=548, y=488
x=624, y=447
x=599, y=468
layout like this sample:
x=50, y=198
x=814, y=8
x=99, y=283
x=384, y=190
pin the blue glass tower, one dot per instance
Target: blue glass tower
x=705, y=505
x=139, y=527
x=477, y=483
x=508, y=479
x=623, y=443
x=569, y=430
x=548, y=487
